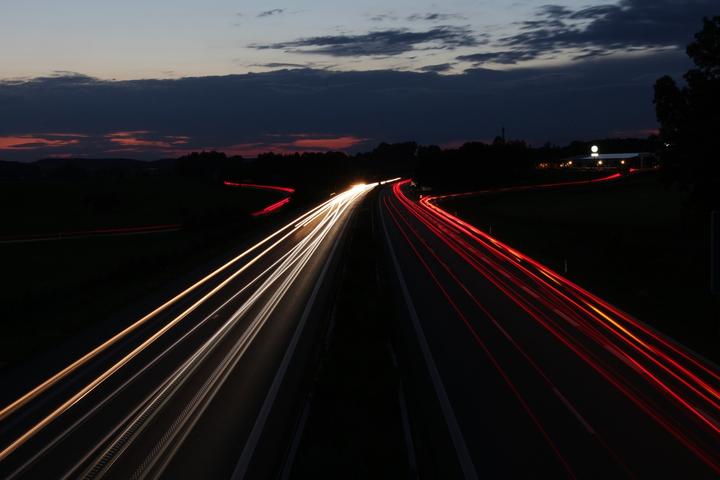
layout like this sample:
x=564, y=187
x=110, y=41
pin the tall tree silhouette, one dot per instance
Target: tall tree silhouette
x=690, y=116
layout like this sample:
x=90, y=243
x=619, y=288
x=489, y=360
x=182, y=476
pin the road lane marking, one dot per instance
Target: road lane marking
x=566, y=317
x=572, y=409
x=248, y=451
x=466, y=463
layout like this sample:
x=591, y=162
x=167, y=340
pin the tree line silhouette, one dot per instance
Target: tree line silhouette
x=471, y=165
x=689, y=117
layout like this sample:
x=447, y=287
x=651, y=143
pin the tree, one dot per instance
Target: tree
x=690, y=116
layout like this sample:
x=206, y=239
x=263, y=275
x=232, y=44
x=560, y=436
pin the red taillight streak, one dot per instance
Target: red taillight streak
x=487, y=352
x=614, y=176
x=551, y=326
x=664, y=387
x=504, y=332
x=577, y=291
x=618, y=333
x=262, y=187
x=473, y=231
x=98, y=231
x=599, y=336
x=413, y=208
x=271, y=208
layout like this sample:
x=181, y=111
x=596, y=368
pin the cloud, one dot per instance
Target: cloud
x=505, y=57
x=242, y=61
x=163, y=118
x=270, y=13
x=35, y=141
x=337, y=143
x=143, y=139
x=603, y=29
x=379, y=43
x=442, y=67
x=383, y=17
x=434, y=17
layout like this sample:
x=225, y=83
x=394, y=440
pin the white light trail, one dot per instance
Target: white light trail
x=288, y=266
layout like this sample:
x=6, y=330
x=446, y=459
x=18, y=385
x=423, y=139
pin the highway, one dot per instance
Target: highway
x=530, y=375
x=204, y=385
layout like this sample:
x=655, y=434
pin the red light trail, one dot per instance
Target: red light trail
x=273, y=206
x=670, y=384
x=74, y=234
x=260, y=187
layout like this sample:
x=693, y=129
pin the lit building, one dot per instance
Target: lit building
x=611, y=160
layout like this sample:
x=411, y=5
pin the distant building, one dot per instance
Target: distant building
x=611, y=160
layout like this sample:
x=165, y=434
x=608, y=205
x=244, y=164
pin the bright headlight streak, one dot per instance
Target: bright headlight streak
x=276, y=274
x=692, y=386
x=7, y=410
x=331, y=205
x=82, y=419
x=301, y=255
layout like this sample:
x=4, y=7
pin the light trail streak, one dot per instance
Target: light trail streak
x=398, y=217
x=260, y=187
x=331, y=210
x=288, y=271
x=77, y=234
x=688, y=383
x=273, y=206
x=542, y=186
x=10, y=408
x=595, y=304
x=493, y=360
x=129, y=381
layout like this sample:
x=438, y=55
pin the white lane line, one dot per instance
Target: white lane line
x=574, y=411
x=407, y=431
x=504, y=273
x=249, y=450
x=624, y=359
x=566, y=317
x=306, y=253
x=149, y=398
x=530, y=291
x=10, y=408
x=286, y=472
x=466, y=463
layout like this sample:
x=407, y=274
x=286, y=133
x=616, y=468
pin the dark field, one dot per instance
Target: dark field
x=54, y=289
x=635, y=243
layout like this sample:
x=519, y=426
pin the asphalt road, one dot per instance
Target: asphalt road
x=530, y=375
x=201, y=387
x=511, y=371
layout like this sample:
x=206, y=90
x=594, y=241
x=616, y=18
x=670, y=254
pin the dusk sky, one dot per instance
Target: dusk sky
x=154, y=79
